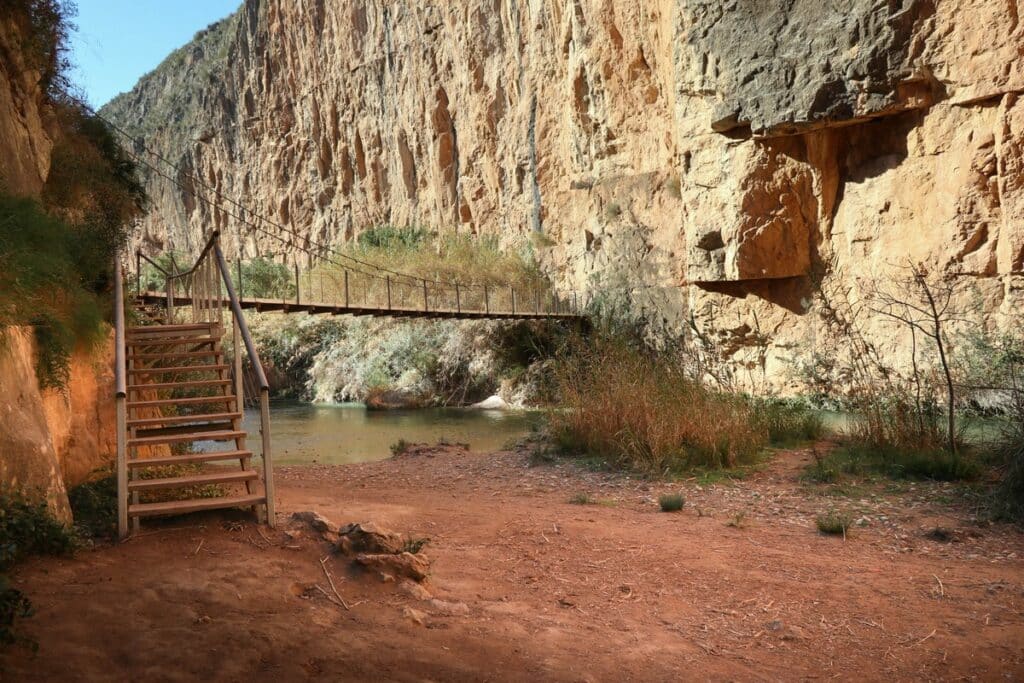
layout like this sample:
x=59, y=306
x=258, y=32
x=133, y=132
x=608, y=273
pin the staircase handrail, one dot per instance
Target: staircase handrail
x=120, y=398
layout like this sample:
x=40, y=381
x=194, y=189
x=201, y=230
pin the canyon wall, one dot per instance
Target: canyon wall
x=50, y=440
x=739, y=171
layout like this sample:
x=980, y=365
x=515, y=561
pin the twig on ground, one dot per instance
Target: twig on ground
x=942, y=590
x=198, y=547
x=925, y=638
x=260, y=532
x=323, y=565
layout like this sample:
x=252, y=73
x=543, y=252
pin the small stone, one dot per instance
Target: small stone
x=450, y=609
x=315, y=520
x=414, y=590
x=414, y=615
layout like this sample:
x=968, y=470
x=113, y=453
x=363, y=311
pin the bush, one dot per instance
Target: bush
x=1008, y=454
x=858, y=459
x=26, y=528
x=582, y=499
x=94, y=505
x=788, y=422
x=833, y=523
x=641, y=411
x=671, y=502
x=400, y=447
x=264, y=278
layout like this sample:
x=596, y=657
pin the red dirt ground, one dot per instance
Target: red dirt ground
x=737, y=586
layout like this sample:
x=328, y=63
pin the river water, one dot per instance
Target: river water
x=346, y=433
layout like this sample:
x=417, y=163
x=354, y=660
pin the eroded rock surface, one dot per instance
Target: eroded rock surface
x=732, y=164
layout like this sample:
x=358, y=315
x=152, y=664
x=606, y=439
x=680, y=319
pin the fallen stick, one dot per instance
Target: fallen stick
x=330, y=598
x=942, y=591
x=323, y=565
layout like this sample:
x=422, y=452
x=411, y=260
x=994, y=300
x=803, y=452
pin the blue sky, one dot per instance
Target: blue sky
x=118, y=41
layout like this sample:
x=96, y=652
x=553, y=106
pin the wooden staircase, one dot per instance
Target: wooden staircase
x=181, y=395
x=181, y=444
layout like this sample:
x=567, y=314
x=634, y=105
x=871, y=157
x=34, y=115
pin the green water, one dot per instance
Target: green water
x=346, y=433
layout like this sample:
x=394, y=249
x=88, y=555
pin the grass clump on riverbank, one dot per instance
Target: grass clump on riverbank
x=642, y=411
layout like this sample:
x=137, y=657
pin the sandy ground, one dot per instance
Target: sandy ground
x=737, y=586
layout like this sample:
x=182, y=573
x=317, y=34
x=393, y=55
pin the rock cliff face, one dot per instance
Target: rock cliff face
x=24, y=117
x=49, y=440
x=712, y=166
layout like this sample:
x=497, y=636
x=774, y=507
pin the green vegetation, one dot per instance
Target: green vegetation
x=833, y=523
x=400, y=447
x=26, y=529
x=860, y=460
x=94, y=505
x=788, y=422
x=414, y=545
x=671, y=502
x=56, y=253
x=262, y=277
x=414, y=255
x=582, y=499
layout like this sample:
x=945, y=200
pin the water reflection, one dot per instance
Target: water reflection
x=346, y=433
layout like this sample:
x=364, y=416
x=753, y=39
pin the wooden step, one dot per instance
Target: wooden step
x=225, y=435
x=180, y=419
x=195, y=428
x=178, y=507
x=189, y=401
x=182, y=385
x=155, y=370
x=177, y=354
x=171, y=341
x=193, y=480
x=189, y=457
x=170, y=328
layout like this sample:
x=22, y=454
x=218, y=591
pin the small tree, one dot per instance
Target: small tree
x=922, y=302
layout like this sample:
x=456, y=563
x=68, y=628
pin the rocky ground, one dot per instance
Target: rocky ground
x=523, y=584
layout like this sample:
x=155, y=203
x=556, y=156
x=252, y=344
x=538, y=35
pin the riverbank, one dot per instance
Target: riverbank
x=738, y=586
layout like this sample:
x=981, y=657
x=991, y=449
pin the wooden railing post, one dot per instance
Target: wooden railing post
x=425, y=304
x=458, y=302
x=236, y=344
x=536, y=307
x=513, y=300
x=138, y=272
x=169, y=287
x=388, y=277
x=261, y=379
x=346, y=288
x=297, y=283
x=487, y=304
x=121, y=401
x=268, y=467
x=239, y=269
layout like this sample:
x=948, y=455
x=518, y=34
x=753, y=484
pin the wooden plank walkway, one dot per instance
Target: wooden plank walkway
x=317, y=308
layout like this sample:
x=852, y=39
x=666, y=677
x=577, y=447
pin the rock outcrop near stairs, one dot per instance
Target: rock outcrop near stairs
x=709, y=166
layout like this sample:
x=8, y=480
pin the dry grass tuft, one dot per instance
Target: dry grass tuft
x=642, y=412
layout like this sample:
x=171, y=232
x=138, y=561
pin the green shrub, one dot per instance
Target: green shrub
x=860, y=460
x=26, y=528
x=671, y=502
x=94, y=505
x=788, y=422
x=400, y=447
x=1008, y=454
x=833, y=523
x=582, y=499
x=264, y=278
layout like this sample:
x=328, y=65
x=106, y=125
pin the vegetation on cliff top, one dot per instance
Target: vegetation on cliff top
x=57, y=251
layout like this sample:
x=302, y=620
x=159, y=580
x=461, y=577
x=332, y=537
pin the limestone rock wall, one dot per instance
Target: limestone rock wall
x=711, y=167
x=24, y=118
x=50, y=440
